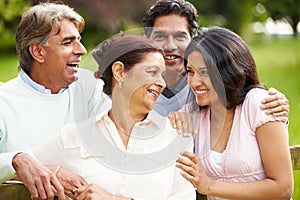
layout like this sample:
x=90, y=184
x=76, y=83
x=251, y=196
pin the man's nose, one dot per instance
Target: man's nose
x=170, y=44
x=79, y=49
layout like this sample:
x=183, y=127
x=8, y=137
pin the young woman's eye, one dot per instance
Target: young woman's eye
x=204, y=72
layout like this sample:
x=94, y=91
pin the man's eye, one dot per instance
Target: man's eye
x=158, y=37
x=181, y=37
x=67, y=42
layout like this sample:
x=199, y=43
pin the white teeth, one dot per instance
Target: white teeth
x=152, y=92
x=73, y=64
x=170, y=57
x=201, y=91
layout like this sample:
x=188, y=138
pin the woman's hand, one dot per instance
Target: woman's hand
x=183, y=122
x=276, y=104
x=95, y=192
x=70, y=181
x=193, y=171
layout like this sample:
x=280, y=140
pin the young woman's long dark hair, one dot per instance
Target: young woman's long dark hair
x=230, y=65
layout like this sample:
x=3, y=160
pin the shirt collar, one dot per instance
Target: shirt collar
x=152, y=117
x=40, y=88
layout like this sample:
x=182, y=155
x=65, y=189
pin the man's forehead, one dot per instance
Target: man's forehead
x=64, y=29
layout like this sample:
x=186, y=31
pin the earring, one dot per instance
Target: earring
x=119, y=85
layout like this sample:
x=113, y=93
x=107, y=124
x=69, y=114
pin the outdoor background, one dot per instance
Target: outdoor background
x=271, y=28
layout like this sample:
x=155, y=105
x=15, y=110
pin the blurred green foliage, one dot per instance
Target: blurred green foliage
x=10, y=13
x=107, y=17
x=288, y=9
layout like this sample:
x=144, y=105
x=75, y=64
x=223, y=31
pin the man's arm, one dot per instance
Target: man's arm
x=40, y=181
x=7, y=170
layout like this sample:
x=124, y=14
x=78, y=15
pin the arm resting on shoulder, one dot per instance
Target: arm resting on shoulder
x=276, y=104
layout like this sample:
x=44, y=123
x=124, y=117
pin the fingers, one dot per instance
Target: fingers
x=42, y=189
x=276, y=104
x=96, y=74
x=71, y=182
x=40, y=181
x=193, y=157
x=172, y=119
x=279, y=111
x=188, y=167
x=178, y=122
x=33, y=191
x=88, y=191
x=272, y=91
x=81, y=192
x=273, y=97
x=187, y=124
x=193, y=171
x=188, y=163
x=279, y=107
x=183, y=123
x=58, y=188
x=40, y=186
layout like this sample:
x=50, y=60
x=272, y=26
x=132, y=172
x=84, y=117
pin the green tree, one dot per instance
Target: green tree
x=233, y=14
x=10, y=12
x=288, y=9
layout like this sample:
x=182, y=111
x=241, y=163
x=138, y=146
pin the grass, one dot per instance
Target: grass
x=8, y=67
x=278, y=65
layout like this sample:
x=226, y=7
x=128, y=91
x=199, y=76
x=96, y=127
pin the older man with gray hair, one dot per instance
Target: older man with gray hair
x=49, y=92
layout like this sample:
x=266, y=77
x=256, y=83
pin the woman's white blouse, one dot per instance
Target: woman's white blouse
x=86, y=149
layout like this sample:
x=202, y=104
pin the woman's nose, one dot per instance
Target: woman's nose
x=160, y=82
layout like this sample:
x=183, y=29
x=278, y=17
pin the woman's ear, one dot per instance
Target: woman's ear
x=37, y=52
x=118, y=70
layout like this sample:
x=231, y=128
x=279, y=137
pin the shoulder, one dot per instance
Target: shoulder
x=87, y=85
x=11, y=84
x=71, y=134
x=252, y=108
x=256, y=95
x=159, y=123
x=87, y=80
x=157, y=118
x=14, y=89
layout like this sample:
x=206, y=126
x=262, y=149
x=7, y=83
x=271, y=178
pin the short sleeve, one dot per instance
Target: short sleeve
x=256, y=116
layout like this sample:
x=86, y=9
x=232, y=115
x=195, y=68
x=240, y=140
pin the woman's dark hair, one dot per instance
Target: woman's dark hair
x=167, y=7
x=230, y=65
x=128, y=49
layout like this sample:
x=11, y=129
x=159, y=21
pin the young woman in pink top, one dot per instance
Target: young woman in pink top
x=241, y=152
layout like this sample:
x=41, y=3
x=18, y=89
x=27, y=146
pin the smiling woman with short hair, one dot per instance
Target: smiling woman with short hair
x=129, y=150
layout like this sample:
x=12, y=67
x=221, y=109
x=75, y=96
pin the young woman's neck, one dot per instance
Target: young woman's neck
x=220, y=128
